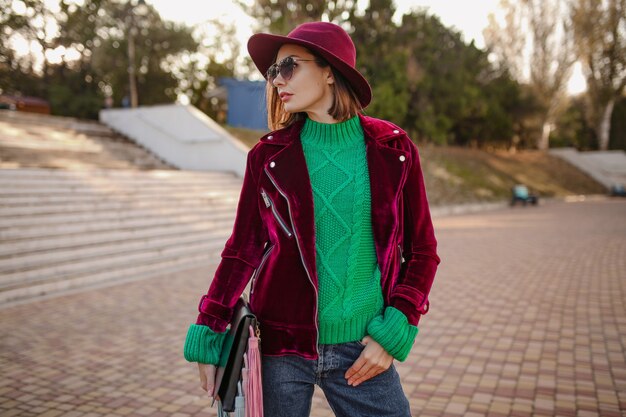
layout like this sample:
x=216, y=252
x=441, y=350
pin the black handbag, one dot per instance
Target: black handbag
x=228, y=372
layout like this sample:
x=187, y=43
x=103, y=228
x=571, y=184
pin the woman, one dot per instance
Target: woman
x=333, y=227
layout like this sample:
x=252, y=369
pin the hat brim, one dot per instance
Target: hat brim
x=263, y=48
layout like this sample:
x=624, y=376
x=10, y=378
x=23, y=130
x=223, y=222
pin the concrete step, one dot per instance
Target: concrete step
x=85, y=236
x=9, y=198
x=35, y=122
x=50, y=140
x=61, y=159
x=25, y=175
x=115, y=273
x=64, y=225
x=15, y=188
x=152, y=205
x=225, y=194
x=120, y=174
x=26, y=269
x=123, y=176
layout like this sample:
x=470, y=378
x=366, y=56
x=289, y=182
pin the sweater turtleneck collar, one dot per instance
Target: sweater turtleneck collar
x=332, y=135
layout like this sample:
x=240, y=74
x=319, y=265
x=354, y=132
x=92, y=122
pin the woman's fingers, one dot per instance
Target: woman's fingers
x=373, y=360
x=367, y=371
x=371, y=373
x=357, y=369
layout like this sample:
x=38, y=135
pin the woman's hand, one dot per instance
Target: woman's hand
x=207, y=378
x=374, y=360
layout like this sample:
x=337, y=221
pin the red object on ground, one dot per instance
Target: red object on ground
x=25, y=103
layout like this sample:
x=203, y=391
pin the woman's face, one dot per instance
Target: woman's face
x=310, y=87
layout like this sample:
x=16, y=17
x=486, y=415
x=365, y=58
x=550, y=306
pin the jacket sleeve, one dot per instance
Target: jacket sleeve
x=410, y=294
x=241, y=256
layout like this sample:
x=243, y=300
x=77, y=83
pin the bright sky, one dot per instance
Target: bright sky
x=469, y=17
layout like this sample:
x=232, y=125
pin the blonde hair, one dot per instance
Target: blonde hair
x=345, y=101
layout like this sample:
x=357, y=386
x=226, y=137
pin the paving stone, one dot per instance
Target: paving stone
x=456, y=408
x=73, y=413
x=527, y=319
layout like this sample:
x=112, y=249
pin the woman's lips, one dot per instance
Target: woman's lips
x=285, y=96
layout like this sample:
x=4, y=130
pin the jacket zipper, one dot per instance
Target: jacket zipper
x=397, y=231
x=317, y=331
x=258, y=270
x=269, y=203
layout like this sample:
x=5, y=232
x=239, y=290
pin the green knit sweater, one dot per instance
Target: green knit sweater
x=350, y=301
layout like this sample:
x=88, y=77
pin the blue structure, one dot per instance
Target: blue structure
x=246, y=103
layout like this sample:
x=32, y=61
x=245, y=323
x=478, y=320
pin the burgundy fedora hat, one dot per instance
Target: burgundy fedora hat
x=325, y=39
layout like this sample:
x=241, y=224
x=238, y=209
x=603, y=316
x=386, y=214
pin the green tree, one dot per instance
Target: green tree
x=281, y=16
x=156, y=41
x=600, y=34
x=381, y=60
x=432, y=83
x=540, y=26
x=572, y=129
x=217, y=58
x=29, y=21
x=98, y=31
x=423, y=75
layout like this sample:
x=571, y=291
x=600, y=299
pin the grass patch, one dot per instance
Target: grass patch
x=479, y=175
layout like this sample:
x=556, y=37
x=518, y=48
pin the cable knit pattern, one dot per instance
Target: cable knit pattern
x=349, y=280
x=360, y=211
x=203, y=345
x=350, y=296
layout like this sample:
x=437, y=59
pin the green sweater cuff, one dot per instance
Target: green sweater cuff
x=393, y=332
x=203, y=345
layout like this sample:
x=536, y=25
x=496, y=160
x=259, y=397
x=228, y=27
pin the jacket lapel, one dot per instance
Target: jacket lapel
x=288, y=171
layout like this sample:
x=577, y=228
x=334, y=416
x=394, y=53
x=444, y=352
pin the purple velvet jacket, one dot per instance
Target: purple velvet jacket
x=273, y=238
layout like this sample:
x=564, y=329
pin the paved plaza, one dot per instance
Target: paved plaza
x=527, y=318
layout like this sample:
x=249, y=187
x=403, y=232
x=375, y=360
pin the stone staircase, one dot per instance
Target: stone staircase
x=41, y=141
x=61, y=230
x=81, y=206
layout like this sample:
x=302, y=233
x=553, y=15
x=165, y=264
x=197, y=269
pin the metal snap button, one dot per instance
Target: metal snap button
x=270, y=137
x=402, y=158
x=272, y=164
x=396, y=131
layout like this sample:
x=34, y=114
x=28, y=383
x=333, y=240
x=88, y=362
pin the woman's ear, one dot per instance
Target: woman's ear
x=330, y=78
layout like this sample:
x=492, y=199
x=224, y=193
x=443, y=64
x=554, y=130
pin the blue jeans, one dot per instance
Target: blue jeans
x=288, y=384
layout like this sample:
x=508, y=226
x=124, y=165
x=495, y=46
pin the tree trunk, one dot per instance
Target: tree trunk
x=544, y=140
x=604, y=127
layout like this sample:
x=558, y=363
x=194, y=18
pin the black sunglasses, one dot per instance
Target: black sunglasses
x=284, y=68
